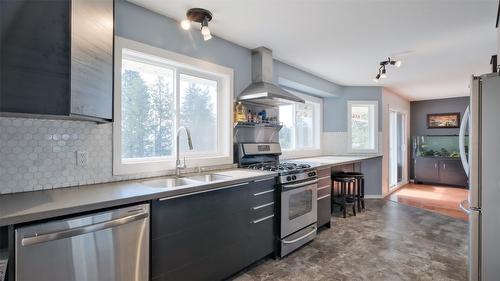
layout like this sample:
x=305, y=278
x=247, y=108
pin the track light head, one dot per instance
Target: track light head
x=201, y=16
x=383, y=74
x=398, y=63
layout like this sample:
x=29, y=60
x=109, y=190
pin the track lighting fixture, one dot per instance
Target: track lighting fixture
x=201, y=16
x=381, y=70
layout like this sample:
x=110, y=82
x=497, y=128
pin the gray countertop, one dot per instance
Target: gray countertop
x=37, y=205
x=334, y=160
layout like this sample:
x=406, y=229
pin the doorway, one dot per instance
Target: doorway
x=397, y=149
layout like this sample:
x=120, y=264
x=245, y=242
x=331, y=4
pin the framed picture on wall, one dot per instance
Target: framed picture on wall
x=443, y=120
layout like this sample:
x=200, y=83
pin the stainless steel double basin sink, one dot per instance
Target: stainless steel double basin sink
x=172, y=182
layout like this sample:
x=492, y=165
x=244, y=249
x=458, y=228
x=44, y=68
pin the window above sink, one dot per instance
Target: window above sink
x=156, y=92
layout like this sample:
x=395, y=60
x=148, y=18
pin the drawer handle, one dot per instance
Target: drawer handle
x=321, y=188
x=263, y=179
x=263, y=192
x=263, y=219
x=263, y=206
x=300, y=238
x=327, y=177
x=202, y=191
x=323, y=197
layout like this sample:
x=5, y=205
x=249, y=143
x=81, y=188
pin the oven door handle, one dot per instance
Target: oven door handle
x=296, y=185
x=300, y=238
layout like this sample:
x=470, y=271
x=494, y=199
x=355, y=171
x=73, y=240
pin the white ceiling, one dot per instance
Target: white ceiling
x=441, y=42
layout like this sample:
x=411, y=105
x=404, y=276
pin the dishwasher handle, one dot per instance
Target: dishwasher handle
x=46, y=237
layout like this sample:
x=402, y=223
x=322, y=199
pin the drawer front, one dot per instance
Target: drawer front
x=324, y=190
x=262, y=211
x=262, y=192
x=324, y=173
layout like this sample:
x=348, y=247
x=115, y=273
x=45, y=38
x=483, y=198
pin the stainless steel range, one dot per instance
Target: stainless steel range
x=298, y=196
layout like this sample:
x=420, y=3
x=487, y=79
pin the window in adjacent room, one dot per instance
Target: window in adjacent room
x=362, y=127
x=156, y=92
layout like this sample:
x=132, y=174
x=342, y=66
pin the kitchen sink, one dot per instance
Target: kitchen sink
x=170, y=182
x=209, y=177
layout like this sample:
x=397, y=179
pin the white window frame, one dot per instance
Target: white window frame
x=350, y=104
x=185, y=65
x=318, y=131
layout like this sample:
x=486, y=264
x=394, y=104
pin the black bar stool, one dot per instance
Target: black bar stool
x=347, y=194
x=360, y=186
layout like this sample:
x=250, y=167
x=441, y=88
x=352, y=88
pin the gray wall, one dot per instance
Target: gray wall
x=335, y=109
x=420, y=109
x=418, y=119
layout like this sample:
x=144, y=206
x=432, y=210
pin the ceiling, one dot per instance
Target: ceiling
x=441, y=42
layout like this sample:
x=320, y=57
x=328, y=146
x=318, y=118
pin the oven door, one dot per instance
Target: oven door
x=298, y=206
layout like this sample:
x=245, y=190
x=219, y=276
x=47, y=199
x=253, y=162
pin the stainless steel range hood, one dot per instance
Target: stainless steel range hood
x=262, y=90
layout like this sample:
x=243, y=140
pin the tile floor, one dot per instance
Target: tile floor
x=389, y=241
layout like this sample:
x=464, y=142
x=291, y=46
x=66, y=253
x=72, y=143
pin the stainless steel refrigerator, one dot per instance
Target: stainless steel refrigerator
x=482, y=164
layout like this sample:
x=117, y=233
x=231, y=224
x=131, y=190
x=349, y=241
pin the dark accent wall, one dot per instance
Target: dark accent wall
x=418, y=118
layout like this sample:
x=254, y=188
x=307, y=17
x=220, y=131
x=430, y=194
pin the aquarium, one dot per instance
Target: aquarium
x=437, y=146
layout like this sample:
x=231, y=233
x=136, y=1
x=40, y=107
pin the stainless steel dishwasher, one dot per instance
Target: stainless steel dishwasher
x=104, y=246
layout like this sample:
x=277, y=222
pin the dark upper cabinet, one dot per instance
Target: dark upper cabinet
x=56, y=58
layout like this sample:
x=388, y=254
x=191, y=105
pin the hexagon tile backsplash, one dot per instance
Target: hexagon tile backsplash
x=41, y=154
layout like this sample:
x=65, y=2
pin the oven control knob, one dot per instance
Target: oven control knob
x=294, y=177
x=312, y=174
x=289, y=178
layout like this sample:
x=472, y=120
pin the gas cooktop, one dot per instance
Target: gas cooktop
x=282, y=168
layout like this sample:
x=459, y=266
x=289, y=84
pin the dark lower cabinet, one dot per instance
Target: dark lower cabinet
x=56, y=58
x=440, y=171
x=211, y=235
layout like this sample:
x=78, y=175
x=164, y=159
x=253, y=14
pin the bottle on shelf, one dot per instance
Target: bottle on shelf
x=239, y=113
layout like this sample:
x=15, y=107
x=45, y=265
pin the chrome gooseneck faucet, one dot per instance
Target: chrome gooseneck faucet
x=178, y=165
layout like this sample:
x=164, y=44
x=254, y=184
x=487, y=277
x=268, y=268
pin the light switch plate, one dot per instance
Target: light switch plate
x=82, y=158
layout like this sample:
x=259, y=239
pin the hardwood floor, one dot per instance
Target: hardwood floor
x=439, y=199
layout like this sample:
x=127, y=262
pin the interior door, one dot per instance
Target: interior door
x=397, y=148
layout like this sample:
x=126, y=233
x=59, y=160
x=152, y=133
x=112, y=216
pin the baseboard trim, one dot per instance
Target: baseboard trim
x=374, y=196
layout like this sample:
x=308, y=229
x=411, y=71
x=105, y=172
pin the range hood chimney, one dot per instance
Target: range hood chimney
x=262, y=90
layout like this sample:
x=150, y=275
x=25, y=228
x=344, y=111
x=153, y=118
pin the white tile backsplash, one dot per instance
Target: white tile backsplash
x=41, y=154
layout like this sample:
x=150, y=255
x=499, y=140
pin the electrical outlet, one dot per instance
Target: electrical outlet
x=82, y=158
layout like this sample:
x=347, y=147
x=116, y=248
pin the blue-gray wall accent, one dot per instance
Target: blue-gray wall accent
x=420, y=109
x=372, y=169
x=294, y=78
x=142, y=25
x=335, y=109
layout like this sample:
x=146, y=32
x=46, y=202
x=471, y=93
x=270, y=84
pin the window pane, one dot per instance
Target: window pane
x=198, y=101
x=286, y=133
x=304, y=130
x=147, y=110
x=362, y=127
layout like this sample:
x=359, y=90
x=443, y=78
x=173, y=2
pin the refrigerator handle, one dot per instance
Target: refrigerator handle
x=464, y=209
x=461, y=141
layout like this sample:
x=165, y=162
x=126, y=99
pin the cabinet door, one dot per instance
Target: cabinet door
x=199, y=237
x=34, y=57
x=451, y=172
x=427, y=170
x=324, y=210
x=92, y=58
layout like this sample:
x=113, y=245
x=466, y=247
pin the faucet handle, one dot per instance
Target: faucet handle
x=184, y=164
